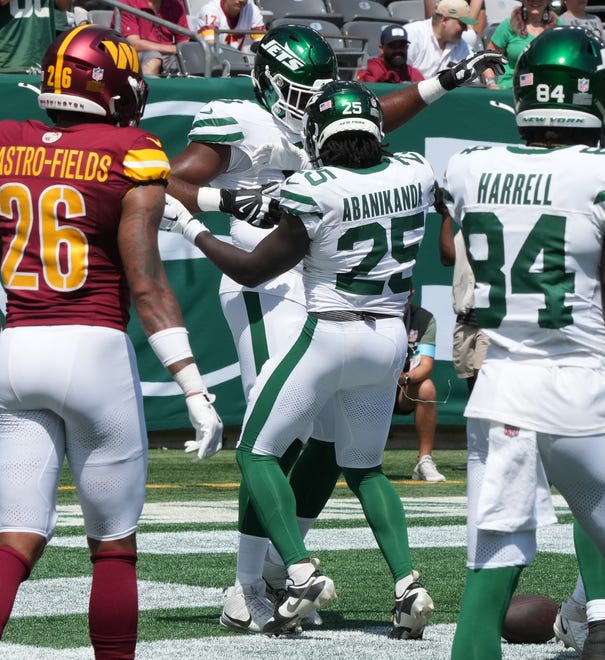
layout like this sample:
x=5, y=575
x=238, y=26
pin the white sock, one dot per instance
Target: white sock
x=579, y=595
x=251, y=553
x=595, y=610
x=300, y=573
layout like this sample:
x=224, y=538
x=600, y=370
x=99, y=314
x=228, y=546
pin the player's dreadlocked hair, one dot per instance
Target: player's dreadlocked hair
x=352, y=149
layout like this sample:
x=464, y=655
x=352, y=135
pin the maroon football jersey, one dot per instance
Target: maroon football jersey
x=61, y=196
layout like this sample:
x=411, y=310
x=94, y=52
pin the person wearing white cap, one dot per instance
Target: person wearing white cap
x=391, y=65
x=436, y=43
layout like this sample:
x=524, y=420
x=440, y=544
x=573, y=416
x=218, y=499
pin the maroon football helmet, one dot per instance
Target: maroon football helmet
x=93, y=70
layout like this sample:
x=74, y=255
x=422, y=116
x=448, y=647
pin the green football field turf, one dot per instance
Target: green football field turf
x=187, y=543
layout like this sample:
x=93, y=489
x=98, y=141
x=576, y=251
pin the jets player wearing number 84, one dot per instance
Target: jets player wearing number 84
x=533, y=220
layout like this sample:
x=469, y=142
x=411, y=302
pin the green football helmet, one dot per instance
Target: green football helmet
x=340, y=106
x=291, y=64
x=560, y=80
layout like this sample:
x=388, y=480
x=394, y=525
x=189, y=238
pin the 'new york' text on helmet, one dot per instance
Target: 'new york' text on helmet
x=340, y=106
x=559, y=80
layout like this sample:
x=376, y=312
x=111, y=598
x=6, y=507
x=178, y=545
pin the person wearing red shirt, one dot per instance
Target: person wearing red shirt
x=391, y=65
x=155, y=44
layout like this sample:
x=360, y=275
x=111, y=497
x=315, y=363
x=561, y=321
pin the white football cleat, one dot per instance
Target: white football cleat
x=275, y=575
x=298, y=600
x=412, y=610
x=246, y=608
x=570, y=626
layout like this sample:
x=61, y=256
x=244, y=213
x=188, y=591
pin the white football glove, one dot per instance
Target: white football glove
x=253, y=205
x=282, y=156
x=471, y=67
x=207, y=424
x=177, y=219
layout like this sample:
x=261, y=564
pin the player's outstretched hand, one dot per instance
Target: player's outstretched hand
x=177, y=219
x=471, y=67
x=207, y=424
x=282, y=156
x=254, y=205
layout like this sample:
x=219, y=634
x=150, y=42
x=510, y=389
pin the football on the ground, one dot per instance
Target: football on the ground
x=529, y=619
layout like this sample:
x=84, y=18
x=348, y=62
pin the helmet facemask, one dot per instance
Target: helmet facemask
x=292, y=63
x=291, y=99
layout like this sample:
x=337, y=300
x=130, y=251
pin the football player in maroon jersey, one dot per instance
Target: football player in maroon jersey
x=80, y=206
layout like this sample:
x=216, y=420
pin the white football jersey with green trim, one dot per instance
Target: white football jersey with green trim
x=534, y=223
x=365, y=227
x=245, y=126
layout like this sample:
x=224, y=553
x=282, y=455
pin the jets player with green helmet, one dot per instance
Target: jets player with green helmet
x=225, y=140
x=533, y=221
x=581, y=109
x=356, y=224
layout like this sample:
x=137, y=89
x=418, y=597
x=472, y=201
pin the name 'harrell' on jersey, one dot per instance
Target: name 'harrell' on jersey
x=507, y=188
x=382, y=202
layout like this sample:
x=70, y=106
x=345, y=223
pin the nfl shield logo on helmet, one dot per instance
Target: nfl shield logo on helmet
x=97, y=73
x=583, y=84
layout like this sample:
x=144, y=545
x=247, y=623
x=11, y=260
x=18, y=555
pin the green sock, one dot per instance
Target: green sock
x=384, y=513
x=486, y=598
x=248, y=522
x=591, y=563
x=274, y=503
x=316, y=465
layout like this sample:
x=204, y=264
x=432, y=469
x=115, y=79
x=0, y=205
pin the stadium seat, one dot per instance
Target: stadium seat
x=487, y=33
x=233, y=62
x=194, y=6
x=193, y=60
x=497, y=10
x=299, y=9
x=359, y=10
x=408, y=10
x=101, y=17
x=328, y=29
x=371, y=30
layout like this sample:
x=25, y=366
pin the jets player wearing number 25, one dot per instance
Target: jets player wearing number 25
x=533, y=220
x=80, y=207
x=356, y=222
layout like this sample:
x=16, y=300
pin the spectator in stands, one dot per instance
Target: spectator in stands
x=415, y=390
x=574, y=13
x=155, y=44
x=436, y=43
x=231, y=15
x=391, y=65
x=473, y=35
x=25, y=35
x=514, y=34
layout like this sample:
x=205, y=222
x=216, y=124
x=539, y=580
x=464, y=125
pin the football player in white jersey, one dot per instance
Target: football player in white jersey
x=356, y=222
x=291, y=63
x=533, y=220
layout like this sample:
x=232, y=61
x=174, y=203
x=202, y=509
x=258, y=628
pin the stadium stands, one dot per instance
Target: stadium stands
x=357, y=10
x=408, y=10
x=370, y=30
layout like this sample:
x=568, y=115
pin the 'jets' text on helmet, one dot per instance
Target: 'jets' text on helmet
x=560, y=80
x=292, y=62
x=93, y=70
x=340, y=106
